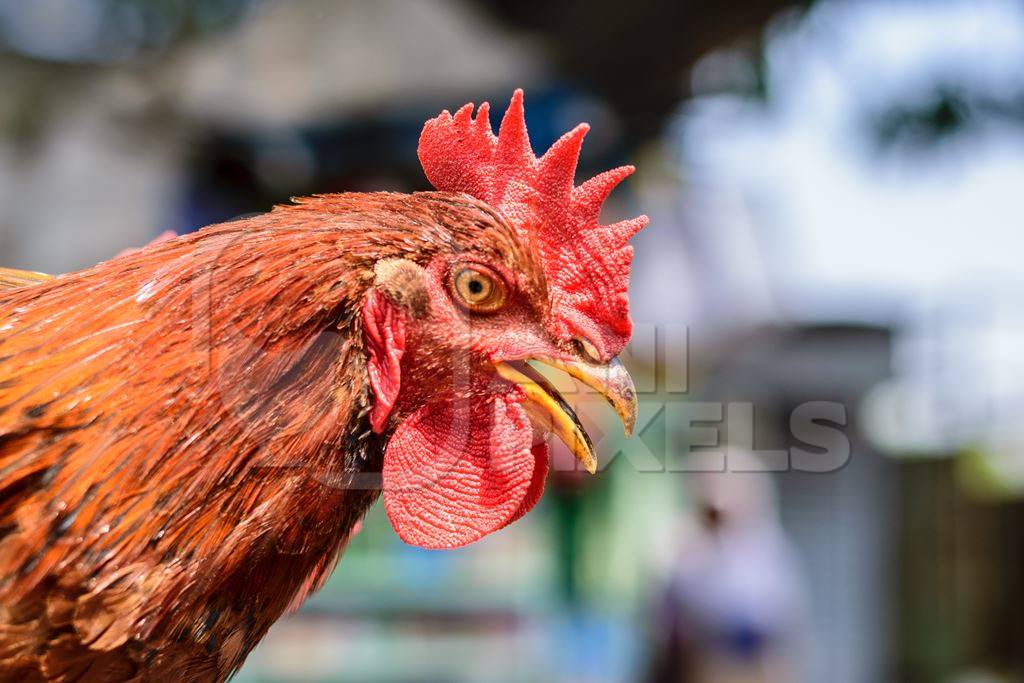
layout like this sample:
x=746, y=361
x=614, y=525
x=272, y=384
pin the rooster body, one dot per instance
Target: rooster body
x=189, y=433
x=197, y=478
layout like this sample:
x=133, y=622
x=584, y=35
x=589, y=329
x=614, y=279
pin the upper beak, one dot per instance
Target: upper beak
x=549, y=411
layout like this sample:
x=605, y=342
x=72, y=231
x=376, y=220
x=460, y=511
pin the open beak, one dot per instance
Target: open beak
x=549, y=411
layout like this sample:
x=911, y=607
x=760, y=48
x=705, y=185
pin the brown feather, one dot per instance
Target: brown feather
x=183, y=440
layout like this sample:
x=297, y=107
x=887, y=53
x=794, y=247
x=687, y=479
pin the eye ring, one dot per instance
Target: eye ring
x=477, y=289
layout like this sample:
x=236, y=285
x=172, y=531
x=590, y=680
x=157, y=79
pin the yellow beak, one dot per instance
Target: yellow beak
x=550, y=412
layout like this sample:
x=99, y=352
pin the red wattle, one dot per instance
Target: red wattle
x=455, y=471
x=540, y=476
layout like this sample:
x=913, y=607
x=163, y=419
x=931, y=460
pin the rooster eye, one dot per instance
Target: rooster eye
x=477, y=290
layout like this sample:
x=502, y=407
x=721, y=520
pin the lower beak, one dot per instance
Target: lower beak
x=550, y=412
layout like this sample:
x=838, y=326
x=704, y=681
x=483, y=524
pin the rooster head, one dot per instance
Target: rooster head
x=531, y=276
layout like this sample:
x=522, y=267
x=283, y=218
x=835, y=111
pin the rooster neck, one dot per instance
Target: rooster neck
x=192, y=539
x=184, y=448
x=296, y=468
x=297, y=538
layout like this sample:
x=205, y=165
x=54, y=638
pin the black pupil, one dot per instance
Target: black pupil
x=475, y=287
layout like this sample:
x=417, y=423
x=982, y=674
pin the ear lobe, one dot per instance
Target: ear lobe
x=384, y=337
x=455, y=472
x=405, y=284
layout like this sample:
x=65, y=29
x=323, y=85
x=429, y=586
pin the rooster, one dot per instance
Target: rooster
x=190, y=432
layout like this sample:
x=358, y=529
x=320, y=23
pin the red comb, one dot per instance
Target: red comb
x=586, y=264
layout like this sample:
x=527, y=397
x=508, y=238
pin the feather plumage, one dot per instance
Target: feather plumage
x=184, y=443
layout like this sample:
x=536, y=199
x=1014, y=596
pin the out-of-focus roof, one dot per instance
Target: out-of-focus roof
x=294, y=64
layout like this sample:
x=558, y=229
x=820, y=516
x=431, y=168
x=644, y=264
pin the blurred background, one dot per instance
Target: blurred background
x=837, y=201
